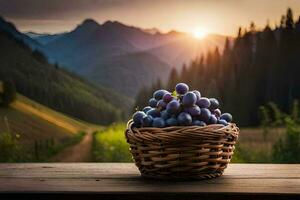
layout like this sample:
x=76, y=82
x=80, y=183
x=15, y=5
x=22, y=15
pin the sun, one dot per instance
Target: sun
x=199, y=32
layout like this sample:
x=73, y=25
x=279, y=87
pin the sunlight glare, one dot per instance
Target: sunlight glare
x=200, y=32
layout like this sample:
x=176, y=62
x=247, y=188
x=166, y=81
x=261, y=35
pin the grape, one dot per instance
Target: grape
x=189, y=99
x=217, y=112
x=203, y=102
x=165, y=115
x=147, y=120
x=193, y=111
x=212, y=120
x=134, y=125
x=222, y=121
x=161, y=104
x=158, y=122
x=138, y=117
x=205, y=115
x=158, y=94
x=146, y=109
x=152, y=102
x=171, y=121
x=173, y=107
x=198, y=94
x=226, y=116
x=184, y=119
x=214, y=104
x=153, y=113
x=184, y=109
x=168, y=97
x=198, y=123
x=181, y=88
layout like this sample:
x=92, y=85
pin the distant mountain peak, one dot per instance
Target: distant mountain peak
x=87, y=25
x=110, y=23
x=89, y=22
x=174, y=32
x=152, y=31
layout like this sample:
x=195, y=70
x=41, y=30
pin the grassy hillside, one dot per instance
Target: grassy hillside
x=70, y=124
x=36, y=132
x=56, y=88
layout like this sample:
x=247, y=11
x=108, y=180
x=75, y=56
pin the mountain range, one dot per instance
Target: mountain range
x=121, y=57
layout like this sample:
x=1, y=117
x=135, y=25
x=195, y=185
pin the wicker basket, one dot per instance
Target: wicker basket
x=182, y=152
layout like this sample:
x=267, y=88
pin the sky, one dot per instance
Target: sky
x=214, y=16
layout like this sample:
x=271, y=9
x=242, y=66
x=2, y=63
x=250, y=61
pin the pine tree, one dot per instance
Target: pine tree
x=282, y=22
x=252, y=28
x=289, y=22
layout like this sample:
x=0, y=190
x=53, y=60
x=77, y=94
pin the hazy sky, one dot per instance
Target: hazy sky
x=216, y=16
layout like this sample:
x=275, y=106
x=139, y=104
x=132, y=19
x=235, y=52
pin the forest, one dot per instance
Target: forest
x=50, y=85
x=258, y=67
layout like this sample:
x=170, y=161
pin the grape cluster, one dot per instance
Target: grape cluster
x=180, y=108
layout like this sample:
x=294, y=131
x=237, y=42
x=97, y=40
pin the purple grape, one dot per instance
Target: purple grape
x=223, y=122
x=146, y=109
x=181, y=88
x=158, y=94
x=158, y=122
x=203, y=102
x=168, y=97
x=161, y=104
x=226, y=116
x=134, y=125
x=214, y=104
x=205, y=115
x=173, y=107
x=165, y=115
x=198, y=94
x=189, y=99
x=153, y=113
x=193, y=111
x=212, y=120
x=147, y=121
x=171, y=121
x=152, y=103
x=198, y=123
x=138, y=117
x=184, y=119
x=217, y=112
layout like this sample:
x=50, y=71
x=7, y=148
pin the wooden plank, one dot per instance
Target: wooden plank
x=105, y=180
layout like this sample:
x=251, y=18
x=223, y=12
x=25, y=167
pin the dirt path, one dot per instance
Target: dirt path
x=80, y=152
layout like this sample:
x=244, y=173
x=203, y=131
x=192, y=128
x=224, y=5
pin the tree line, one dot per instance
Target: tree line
x=258, y=67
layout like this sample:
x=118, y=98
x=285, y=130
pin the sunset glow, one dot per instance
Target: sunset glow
x=219, y=17
x=200, y=32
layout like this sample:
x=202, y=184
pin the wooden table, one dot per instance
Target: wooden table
x=122, y=181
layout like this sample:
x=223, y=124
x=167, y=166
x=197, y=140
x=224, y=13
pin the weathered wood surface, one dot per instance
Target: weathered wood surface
x=123, y=181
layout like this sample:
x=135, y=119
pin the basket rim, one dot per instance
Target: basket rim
x=213, y=132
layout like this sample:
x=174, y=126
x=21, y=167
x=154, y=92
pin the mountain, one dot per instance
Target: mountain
x=109, y=53
x=44, y=38
x=56, y=88
x=10, y=28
